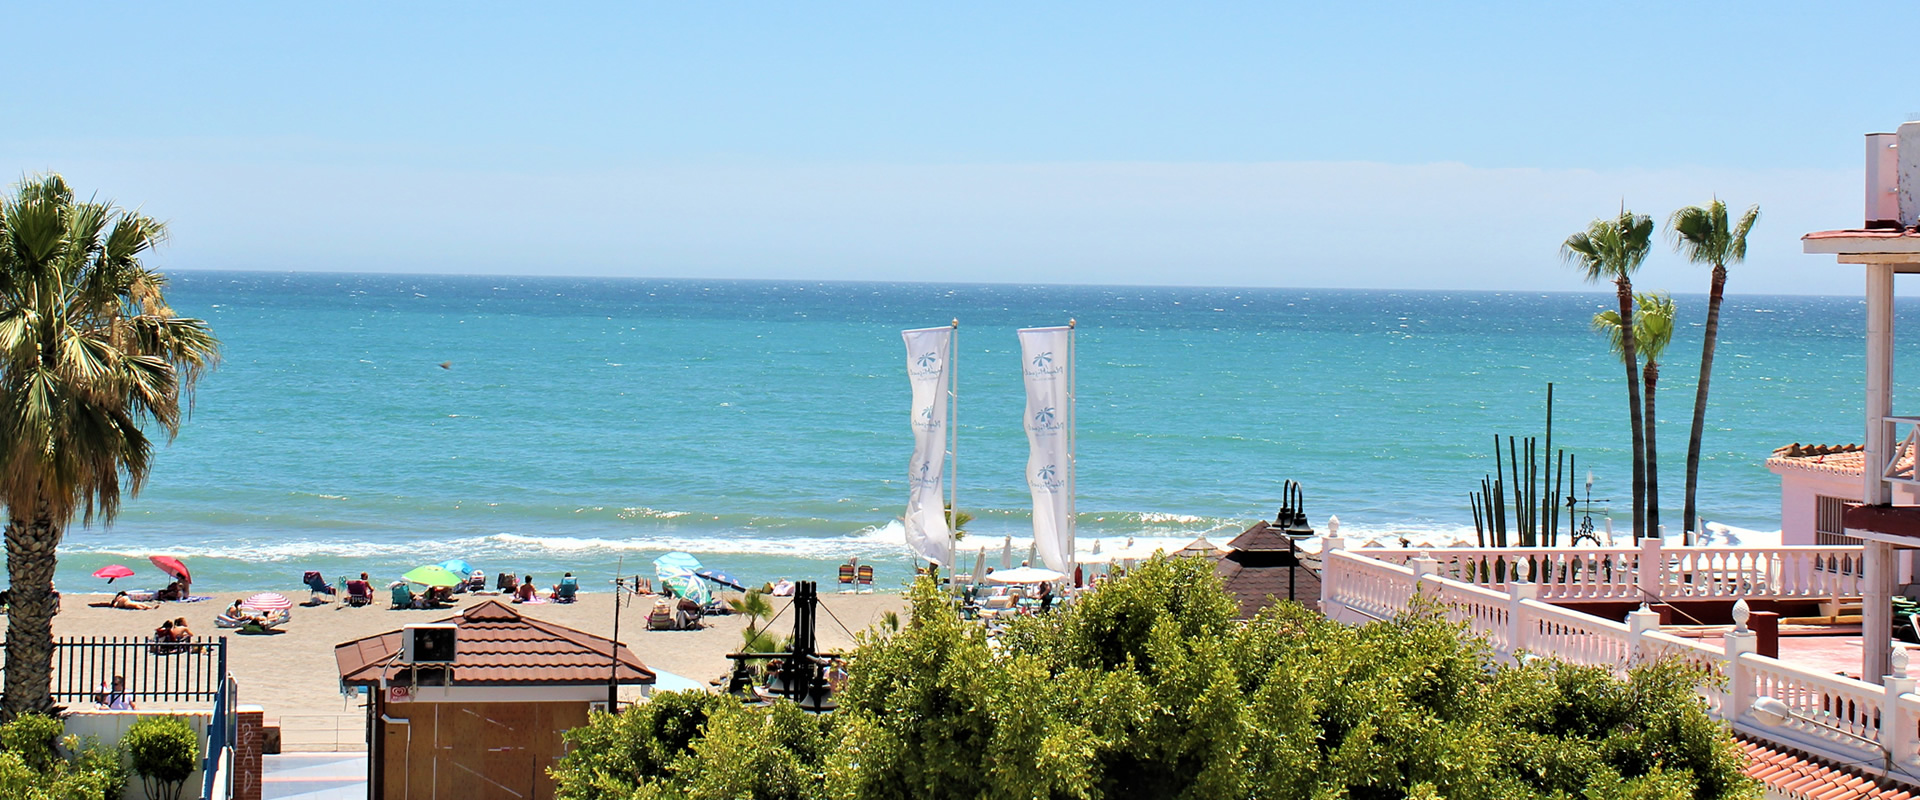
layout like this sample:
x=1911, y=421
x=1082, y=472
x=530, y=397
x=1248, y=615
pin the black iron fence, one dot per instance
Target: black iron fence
x=84, y=668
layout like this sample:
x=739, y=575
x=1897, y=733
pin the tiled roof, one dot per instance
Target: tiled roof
x=1262, y=536
x=496, y=646
x=1798, y=776
x=1251, y=586
x=1840, y=459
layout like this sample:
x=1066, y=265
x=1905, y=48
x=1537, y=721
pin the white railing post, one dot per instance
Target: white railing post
x=1740, y=681
x=1898, y=734
x=1518, y=592
x=1652, y=569
x=1423, y=565
x=1639, y=622
x=1328, y=546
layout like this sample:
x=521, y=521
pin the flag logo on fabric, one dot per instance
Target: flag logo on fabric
x=1042, y=366
x=1048, y=477
x=927, y=360
x=923, y=476
x=1045, y=420
x=924, y=420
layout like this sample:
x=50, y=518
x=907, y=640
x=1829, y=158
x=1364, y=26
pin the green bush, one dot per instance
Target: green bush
x=33, y=768
x=1150, y=687
x=164, y=751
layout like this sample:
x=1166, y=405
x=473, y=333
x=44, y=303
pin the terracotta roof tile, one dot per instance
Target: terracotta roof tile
x=497, y=646
x=1799, y=776
x=1848, y=459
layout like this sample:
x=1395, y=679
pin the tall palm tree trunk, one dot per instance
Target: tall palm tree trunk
x=30, y=605
x=1632, y=359
x=1700, y=396
x=1653, y=461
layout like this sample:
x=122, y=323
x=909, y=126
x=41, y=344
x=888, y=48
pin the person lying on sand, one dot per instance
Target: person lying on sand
x=121, y=600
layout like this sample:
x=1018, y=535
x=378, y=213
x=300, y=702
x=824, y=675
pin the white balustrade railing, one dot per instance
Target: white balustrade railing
x=1834, y=716
x=1817, y=572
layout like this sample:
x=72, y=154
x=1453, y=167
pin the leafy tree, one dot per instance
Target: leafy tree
x=1150, y=687
x=1612, y=250
x=90, y=357
x=32, y=767
x=1653, y=330
x=1705, y=236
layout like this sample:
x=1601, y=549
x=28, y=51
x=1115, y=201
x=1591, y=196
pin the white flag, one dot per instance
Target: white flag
x=1046, y=359
x=928, y=350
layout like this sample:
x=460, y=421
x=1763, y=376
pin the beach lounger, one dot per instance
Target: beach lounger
x=866, y=579
x=251, y=625
x=661, y=618
x=318, y=590
x=846, y=578
x=359, y=593
x=564, y=593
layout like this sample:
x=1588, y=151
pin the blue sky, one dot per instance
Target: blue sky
x=1315, y=145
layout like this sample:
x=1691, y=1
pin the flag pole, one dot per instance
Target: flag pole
x=953, y=448
x=1073, y=445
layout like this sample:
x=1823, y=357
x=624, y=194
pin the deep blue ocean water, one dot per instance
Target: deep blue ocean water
x=762, y=426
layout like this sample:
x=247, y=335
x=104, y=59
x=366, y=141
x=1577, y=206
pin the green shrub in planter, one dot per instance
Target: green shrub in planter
x=164, y=752
x=31, y=768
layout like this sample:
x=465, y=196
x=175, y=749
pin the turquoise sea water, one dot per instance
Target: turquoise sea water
x=763, y=425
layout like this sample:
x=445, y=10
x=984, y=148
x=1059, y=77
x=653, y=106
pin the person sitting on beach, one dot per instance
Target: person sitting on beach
x=439, y=595
x=526, y=593
x=1046, y=597
x=174, y=591
x=477, y=582
x=686, y=614
x=113, y=697
x=180, y=630
x=783, y=588
x=241, y=613
x=121, y=600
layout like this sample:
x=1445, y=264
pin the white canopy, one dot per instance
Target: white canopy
x=1025, y=575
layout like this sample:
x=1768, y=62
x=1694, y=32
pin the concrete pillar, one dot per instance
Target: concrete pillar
x=1519, y=622
x=1639, y=623
x=1898, y=735
x=248, y=745
x=1328, y=546
x=1879, y=444
x=1876, y=612
x=1423, y=565
x=1652, y=570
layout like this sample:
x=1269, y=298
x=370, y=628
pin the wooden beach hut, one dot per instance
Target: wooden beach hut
x=1263, y=565
x=474, y=705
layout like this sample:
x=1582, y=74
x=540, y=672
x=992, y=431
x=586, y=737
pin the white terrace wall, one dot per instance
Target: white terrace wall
x=1840, y=718
x=109, y=726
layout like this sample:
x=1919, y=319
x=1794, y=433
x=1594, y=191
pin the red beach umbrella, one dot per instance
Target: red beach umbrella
x=172, y=566
x=112, y=571
x=268, y=601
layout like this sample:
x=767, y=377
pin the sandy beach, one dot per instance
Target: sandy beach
x=292, y=674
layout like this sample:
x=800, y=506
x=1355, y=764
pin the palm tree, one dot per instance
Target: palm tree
x=1612, y=249
x=90, y=357
x=1705, y=236
x=1652, y=332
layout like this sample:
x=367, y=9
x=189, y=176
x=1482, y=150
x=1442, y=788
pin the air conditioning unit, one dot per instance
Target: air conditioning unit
x=431, y=643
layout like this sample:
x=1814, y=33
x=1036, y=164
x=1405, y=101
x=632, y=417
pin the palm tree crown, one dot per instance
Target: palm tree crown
x=1652, y=325
x=1705, y=236
x=1610, y=249
x=90, y=358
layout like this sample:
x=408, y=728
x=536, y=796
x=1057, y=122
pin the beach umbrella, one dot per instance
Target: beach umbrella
x=268, y=601
x=1033, y=552
x=432, y=575
x=112, y=571
x=721, y=578
x=1006, y=553
x=1026, y=575
x=457, y=566
x=172, y=566
x=980, y=566
x=1199, y=548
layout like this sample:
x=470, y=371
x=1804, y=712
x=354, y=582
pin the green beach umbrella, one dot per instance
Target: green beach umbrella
x=432, y=575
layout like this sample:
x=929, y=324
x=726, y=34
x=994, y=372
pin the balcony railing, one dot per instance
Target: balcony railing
x=1650, y=573
x=1833, y=716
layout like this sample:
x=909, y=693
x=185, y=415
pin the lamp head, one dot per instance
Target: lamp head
x=1769, y=711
